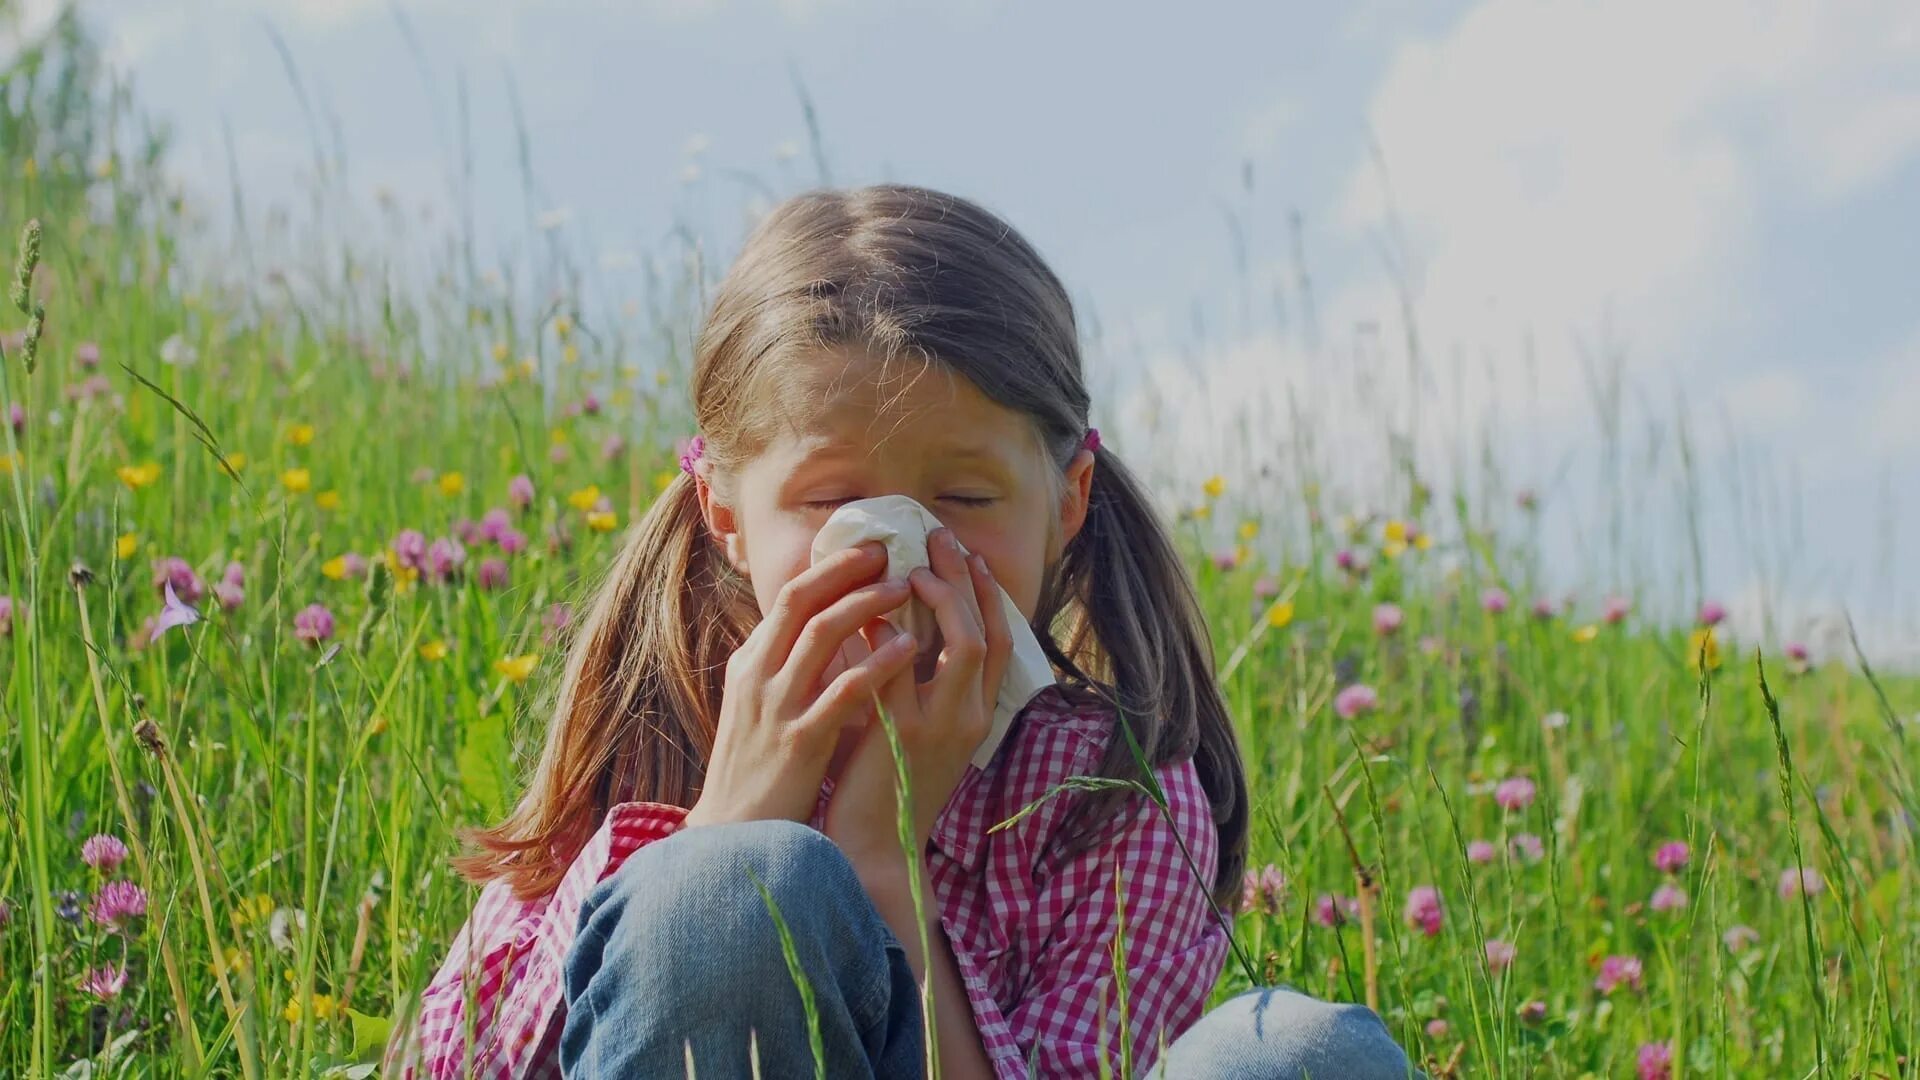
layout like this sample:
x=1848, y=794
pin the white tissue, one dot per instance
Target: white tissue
x=902, y=524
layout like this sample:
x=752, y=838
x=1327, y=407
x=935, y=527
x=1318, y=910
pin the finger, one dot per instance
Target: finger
x=820, y=640
x=999, y=634
x=949, y=561
x=847, y=696
x=813, y=589
x=964, y=647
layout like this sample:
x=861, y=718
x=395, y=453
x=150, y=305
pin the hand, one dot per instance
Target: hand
x=778, y=725
x=941, y=722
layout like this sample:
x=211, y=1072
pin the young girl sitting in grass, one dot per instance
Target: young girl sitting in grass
x=716, y=752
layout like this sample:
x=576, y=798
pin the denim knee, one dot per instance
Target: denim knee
x=686, y=906
x=1273, y=1033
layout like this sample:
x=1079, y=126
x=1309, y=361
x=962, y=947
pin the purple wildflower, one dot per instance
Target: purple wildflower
x=492, y=573
x=1655, y=1062
x=520, y=491
x=103, y=852
x=1668, y=897
x=1424, y=910
x=1739, y=939
x=1671, y=856
x=1514, y=793
x=313, y=624
x=1264, y=890
x=104, y=983
x=117, y=904
x=175, y=571
x=172, y=613
x=1528, y=846
x=1500, y=954
x=1387, y=619
x=1712, y=613
x=1793, y=883
x=1481, y=852
x=1494, y=601
x=1616, y=971
x=445, y=556
x=1614, y=609
x=1332, y=910
x=1354, y=700
x=410, y=547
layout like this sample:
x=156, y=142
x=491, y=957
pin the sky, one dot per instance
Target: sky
x=1588, y=217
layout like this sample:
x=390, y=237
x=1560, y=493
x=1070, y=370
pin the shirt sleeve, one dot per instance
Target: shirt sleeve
x=1068, y=1018
x=491, y=1009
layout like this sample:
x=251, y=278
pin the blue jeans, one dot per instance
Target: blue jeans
x=678, y=961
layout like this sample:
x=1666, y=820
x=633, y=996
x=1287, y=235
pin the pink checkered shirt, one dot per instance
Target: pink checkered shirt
x=1033, y=934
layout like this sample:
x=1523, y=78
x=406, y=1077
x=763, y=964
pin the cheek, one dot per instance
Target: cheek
x=1016, y=563
x=776, y=553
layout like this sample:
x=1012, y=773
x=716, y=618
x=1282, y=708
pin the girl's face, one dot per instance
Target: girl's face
x=933, y=436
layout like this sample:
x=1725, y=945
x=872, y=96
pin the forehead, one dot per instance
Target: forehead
x=858, y=401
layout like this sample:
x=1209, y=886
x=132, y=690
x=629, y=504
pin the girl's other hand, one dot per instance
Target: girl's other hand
x=778, y=724
x=941, y=722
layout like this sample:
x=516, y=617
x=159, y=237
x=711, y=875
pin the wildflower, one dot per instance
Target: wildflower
x=1528, y=847
x=444, y=558
x=67, y=905
x=602, y=520
x=1264, y=890
x=175, y=351
x=1616, y=971
x=117, y=904
x=1805, y=881
x=1249, y=530
x=452, y=484
x=590, y=404
x=174, y=613
x=126, y=546
x=553, y=621
x=1702, y=648
x=1671, y=856
x=335, y=569
x=1533, y=1012
x=313, y=624
x=410, y=549
x=1387, y=619
x=1280, y=614
x=1354, y=700
x=1712, y=613
x=520, y=491
x=1344, y=559
x=323, y=1009
x=1494, y=601
x=517, y=668
x=1586, y=633
x=1225, y=558
x=433, y=650
x=138, y=476
x=1214, y=486
x=1394, y=532
x=1393, y=549
x=6, y=615
x=1423, y=909
x=17, y=418
x=228, y=589
x=1668, y=897
x=300, y=434
x=1514, y=793
x=494, y=524
x=1555, y=721
x=1437, y=1028
x=423, y=475
x=501, y=352
x=285, y=926
x=1543, y=608
x=585, y=498
x=103, y=852
x=1331, y=910
x=1739, y=939
x=1265, y=587
x=104, y=983
x=175, y=571
x=328, y=500
x=296, y=480
x=236, y=461
x=512, y=542
x=254, y=908
x=1500, y=954
x=1614, y=610
x=492, y=574
x=87, y=355
x=1799, y=658
x=1481, y=852
x=1655, y=1062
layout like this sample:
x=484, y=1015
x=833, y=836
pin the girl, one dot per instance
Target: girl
x=713, y=753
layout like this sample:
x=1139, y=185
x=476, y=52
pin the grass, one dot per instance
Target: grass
x=289, y=804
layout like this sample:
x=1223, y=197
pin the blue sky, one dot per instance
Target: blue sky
x=1720, y=198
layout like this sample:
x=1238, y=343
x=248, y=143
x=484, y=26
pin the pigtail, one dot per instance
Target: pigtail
x=1137, y=640
x=635, y=713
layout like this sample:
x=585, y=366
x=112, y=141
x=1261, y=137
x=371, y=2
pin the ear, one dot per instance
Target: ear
x=1075, y=494
x=723, y=524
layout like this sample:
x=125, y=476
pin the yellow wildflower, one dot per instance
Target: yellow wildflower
x=562, y=327
x=602, y=520
x=1587, y=633
x=327, y=500
x=584, y=498
x=126, y=546
x=255, y=908
x=9, y=462
x=571, y=354
x=376, y=725
x=1393, y=549
x=1280, y=614
x=322, y=1009
x=517, y=668
x=236, y=461
x=660, y=378
x=236, y=960
x=1214, y=486
x=1202, y=512
x=527, y=366
x=296, y=480
x=1396, y=532
x=663, y=478
x=300, y=434
x=1703, y=641
x=501, y=352
x=1423, y=541
x=433, y=650
x=334, y=569
x=452, y=483
x=558, y=436
x=1249, y=530
x=138, y=476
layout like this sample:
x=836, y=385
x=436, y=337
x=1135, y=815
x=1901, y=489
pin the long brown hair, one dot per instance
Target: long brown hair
x=894, y=270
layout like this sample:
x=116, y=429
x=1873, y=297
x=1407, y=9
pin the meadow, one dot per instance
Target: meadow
x=288, y=567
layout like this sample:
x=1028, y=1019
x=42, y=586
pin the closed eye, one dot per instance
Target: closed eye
x=970, y=500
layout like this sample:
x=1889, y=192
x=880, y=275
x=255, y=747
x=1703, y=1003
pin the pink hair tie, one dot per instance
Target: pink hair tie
x=1092, y=441
x=695, y=447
